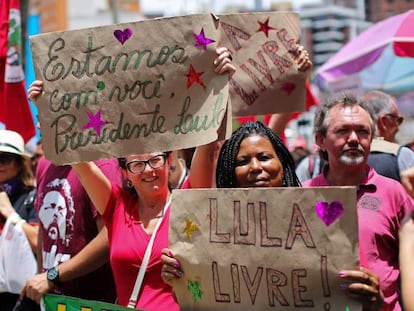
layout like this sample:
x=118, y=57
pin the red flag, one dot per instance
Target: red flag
x=15, y=111
x=310, y=101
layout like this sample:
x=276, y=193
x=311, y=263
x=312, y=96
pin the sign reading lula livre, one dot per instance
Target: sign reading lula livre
x=150, y=85
x=264, y=249
x=264, y=54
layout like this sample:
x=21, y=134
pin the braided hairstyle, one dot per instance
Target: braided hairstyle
x=226, y=163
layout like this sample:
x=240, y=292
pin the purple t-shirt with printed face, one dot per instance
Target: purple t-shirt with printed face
x=68, y=223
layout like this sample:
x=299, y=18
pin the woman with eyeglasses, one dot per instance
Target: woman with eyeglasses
x=17, y=189
x=131, y=214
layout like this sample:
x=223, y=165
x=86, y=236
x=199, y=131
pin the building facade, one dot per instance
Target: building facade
x=377, y=10
x=57, y=15
x=326, y=28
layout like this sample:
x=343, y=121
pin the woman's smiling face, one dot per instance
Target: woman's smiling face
x=149, y=178
x=257, y=164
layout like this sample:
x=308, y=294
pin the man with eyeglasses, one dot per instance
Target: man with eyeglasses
x=387, y=157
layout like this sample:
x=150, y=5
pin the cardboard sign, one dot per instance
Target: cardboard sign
x=264, y=249
x=263, y=47
x=150, y=85
x=126, y=89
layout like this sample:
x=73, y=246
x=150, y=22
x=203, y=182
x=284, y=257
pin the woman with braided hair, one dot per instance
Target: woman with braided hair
x=234, y=159
x=254, y=156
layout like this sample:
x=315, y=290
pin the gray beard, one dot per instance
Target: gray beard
x=347, y=160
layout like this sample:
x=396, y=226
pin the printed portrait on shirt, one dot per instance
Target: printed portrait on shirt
x=57, y=211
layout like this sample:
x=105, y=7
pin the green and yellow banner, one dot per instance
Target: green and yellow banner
x=65, y=303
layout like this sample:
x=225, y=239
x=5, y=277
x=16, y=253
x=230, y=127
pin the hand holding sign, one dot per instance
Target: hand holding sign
x=264, y=248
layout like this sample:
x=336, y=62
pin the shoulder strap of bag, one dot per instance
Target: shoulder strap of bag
x=137, y=287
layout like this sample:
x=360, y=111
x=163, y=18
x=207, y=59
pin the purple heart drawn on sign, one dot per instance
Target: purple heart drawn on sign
x=329, y=212
x=123, y=35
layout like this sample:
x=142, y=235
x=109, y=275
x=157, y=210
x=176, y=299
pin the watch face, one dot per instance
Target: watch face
x=52, y=274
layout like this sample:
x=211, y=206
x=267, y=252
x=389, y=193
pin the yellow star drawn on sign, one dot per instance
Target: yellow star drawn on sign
x=190, y=227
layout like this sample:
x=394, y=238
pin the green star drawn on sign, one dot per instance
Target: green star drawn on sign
x=195, y=290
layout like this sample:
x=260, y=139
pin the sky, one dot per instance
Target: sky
x=181, y=7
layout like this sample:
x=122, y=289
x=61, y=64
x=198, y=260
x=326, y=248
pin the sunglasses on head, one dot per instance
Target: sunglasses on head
x=6, y=158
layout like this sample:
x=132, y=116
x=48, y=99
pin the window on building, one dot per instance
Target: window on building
x=390, y=13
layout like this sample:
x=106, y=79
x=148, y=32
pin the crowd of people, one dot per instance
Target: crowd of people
x=99, y=229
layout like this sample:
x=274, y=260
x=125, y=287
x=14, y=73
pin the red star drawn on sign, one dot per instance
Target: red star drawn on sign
x=264, y=27
x=95, y=122
x=194, y=76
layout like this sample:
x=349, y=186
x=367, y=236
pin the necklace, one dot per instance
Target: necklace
x=158, y=216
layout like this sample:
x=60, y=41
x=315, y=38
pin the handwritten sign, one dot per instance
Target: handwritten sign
x=129, y=88
x=263, y=45
x=150, y=85
x=264, y=249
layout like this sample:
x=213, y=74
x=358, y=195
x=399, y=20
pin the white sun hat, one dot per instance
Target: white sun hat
x=12, y=142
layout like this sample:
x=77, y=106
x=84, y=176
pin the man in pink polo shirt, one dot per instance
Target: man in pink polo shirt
x=344, y=130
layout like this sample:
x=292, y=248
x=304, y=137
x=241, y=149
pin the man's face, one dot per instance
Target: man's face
x=53, y=215
x=391, y=123
x=177, y=168
x=348, y=137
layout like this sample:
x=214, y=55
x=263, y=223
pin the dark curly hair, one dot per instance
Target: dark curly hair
x=226, y=164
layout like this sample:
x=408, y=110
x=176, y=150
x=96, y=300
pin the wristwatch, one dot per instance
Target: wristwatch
x=52, y=275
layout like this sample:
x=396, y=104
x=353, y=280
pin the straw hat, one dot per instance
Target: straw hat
x=12, y=142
